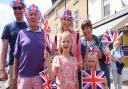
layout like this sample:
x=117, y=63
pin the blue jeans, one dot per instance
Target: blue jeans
x=105, y=68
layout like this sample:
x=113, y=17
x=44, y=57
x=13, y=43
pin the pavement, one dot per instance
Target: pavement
x=124, y=80
x=2, y=85
x=123, y=86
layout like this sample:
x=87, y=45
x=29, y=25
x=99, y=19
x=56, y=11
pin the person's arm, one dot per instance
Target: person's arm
x=122, y=59
x=15, y=72
x=112, y=56
x=51, y=70
x=79, y=54
x=54, y=44
x=98, y=53
x=17, y=54
x=3, y=74
x=77, y=77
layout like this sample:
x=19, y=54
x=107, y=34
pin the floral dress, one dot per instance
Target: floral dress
x=66, y=74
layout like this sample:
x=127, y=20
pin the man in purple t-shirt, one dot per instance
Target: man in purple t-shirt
x=28, y=53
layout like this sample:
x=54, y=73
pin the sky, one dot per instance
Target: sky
x=7, y=14
x=43, y=5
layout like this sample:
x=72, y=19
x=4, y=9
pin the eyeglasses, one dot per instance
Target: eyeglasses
x=17, y=8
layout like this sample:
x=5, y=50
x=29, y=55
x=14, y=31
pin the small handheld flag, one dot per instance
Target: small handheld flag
x=47, y=84
x=93, y=79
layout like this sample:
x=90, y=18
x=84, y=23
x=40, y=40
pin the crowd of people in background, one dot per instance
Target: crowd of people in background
x=29, y=52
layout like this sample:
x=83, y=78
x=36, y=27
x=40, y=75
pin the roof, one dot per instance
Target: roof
x=53, y=7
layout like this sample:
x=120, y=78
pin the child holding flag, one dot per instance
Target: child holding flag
x=91, y=62
x=64, y=68
x=92, y=76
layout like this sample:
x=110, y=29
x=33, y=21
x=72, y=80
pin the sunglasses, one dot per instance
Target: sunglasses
x=17, y=8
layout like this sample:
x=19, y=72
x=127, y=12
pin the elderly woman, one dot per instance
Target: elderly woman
x=117, y=64
x=67, y=25
x=91, y=43
x=30, y=45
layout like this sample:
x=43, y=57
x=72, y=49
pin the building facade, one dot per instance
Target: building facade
x=79, y=12
x=104, y=14
x=109, y=15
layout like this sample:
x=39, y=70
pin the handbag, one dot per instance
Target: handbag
x=119, y=67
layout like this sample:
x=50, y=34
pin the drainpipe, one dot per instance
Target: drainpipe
x=87, y=10
x=65, y=4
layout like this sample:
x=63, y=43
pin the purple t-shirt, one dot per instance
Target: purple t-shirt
x=29, y=50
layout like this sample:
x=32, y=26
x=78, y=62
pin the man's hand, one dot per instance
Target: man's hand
x=3, y=75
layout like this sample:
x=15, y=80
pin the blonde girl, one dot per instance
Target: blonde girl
x=67, y=25
x=64, y=67
x=91, y=62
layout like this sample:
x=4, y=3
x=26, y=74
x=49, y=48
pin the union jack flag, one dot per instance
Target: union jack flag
x=45, y=80
x=53, y=84
x=47, y=84
x=110, y=36
x=47, y=29
x=93, y=79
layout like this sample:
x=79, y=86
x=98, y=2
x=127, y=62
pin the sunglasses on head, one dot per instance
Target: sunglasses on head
x=17, y=8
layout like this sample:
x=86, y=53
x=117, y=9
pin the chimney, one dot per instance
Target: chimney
x=53, y=1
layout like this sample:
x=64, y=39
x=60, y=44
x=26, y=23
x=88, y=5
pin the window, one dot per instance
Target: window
x=106, y=4
x=76, y=19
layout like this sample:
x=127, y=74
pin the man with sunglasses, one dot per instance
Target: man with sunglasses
x=8, y=37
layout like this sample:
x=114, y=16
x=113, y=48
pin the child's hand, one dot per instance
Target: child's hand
x=98, y=53
x=46, y=55
x=80, y=65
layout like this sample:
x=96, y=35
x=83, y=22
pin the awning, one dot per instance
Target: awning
x=112, y=26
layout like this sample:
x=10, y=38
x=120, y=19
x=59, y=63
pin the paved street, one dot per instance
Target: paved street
x=2, y=85
x=123, y=86
x=124, y=79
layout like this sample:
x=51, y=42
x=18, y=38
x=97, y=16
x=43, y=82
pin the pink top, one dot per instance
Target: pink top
x=66, y=72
